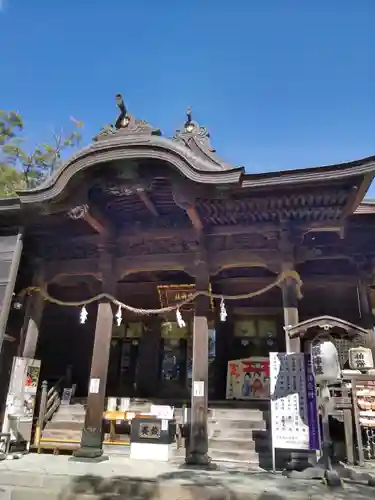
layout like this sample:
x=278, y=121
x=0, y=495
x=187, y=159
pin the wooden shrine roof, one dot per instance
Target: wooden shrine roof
x=140, y=179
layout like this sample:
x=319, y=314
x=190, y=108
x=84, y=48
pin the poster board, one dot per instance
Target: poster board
x=248, y=378
x=20, y=401
x=294, y=413
x=363, y=397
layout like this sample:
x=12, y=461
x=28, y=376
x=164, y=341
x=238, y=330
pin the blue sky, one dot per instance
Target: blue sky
x=279, y=83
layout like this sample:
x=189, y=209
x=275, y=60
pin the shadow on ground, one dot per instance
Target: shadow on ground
x=197, y=485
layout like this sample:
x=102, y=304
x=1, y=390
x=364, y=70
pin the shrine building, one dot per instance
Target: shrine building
x=151, y=220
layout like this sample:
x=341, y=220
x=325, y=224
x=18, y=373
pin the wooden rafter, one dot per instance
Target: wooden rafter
x=194, y=217
x=144, y=197
x=186, y=202
x=94, y=217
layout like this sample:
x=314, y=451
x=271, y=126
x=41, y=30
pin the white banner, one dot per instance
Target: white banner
x=289, y=415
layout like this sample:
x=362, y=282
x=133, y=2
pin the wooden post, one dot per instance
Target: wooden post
x=299, y=459
x=365, y=311
x=148, y=358
x=198, y=452
x=42, y=412
x=91, y=448
x=290, y=305
x=33, y=325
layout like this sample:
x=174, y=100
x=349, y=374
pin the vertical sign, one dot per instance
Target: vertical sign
x=312, y=412
x=293, y=407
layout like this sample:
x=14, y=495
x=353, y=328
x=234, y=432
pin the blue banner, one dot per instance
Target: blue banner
x=312, y=410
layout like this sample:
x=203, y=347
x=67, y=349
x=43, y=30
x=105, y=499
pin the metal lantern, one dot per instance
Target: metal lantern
x=325, y=361
x=360, y=358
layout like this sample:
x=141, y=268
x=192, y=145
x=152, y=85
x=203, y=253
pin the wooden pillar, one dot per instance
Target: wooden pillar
x=34, y=313
x=91, y=448
x=299, y=460
x=198, y=452
x=365, y=312
x=290, y=306
x=148, y=360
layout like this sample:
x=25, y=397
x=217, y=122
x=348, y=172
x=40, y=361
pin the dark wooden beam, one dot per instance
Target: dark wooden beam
x=74, y=267
x=269, y=230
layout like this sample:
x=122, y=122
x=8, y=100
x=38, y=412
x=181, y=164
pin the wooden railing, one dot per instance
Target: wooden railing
x=49, y=403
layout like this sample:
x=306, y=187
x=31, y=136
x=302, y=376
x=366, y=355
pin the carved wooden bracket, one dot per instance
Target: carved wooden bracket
x=184, y=200
x=93, y=217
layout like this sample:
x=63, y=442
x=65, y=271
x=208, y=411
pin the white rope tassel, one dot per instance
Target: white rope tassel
x=223, y=311
x=119, y=316
x=83, y=315
x=181, y=323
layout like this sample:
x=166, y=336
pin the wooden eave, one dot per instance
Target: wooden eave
x=193, y=167
x=313, y=174
x=356, y=175
x=367, y=207
x=328, y=323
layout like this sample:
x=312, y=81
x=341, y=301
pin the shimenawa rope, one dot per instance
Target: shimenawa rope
x=282, y=277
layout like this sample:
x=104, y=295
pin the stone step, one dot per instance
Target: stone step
x=113, y=449
x=62, y=420
x=68, y=438
x=244, y=434
x=238, y=414
x=75, y=409
x=75, y=406
x=60, y=433
x=68, y=410
x=224, y=443
x=240, y=456
x=52, y=425
x=228, y=444
x=241, y=424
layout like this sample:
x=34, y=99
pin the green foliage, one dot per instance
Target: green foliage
x=23, y=169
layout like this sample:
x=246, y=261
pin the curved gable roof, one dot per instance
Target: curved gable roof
x=190, y=153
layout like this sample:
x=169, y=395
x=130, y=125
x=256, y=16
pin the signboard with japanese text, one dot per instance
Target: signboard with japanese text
x=20, y=402
x=294, y=415
x=171, y=295
x=248, y=378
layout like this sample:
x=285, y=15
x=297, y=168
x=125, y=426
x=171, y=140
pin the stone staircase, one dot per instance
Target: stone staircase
x=236, y=434
x=65, y=427
x=240, y=435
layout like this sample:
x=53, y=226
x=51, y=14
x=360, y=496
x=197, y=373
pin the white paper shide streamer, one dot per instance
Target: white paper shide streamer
x=180, y=321
x=83, y=315
x=119, y=316
x=223, y=311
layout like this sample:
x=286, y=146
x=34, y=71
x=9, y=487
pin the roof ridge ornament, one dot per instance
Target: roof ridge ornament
x=198, y=140
x=125, y=124
x=192, y=129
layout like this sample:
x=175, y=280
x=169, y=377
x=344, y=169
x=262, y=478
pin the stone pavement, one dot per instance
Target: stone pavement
x=47, y=477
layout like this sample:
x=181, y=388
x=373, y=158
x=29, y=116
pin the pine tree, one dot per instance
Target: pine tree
x=23, y=169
